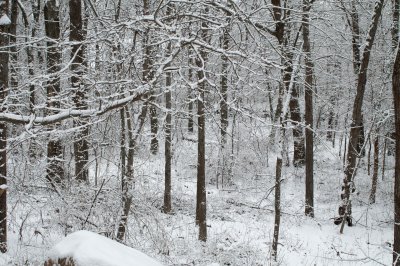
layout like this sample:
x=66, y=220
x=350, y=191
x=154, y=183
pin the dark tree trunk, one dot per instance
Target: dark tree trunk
x=4, y=57
x=126, y=170
x=81, y=145
x=275, y=240
x=55, y=169
x=372, y=196
x=369, y=155
x=201, y=199
x=309, y=120
x=168, y=137
x=384, y=158
x=352, y=154
x=396, y=101
x=148, y=74
x=361, y=140
x=298, y=137
x=355, y=30
x=223, y=104
x=395, y=26
x=190, y=98
x=13, y=38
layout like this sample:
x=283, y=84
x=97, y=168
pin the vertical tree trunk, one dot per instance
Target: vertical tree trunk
x=148, y=74
x=4, y=57
x=223, y=105
x=384, y=158
x=396, y=101
x=13, y=38
x=201, y=199
x=309, y=149
x=372, y=195
x=76, y=36
x=126, y=170
x=275, y=239
x=168, y=138
x=298, y=136
x=55, y=170
x=395, y=26
x=122, y=223
x=190, y=97
x=369, y=155
x=352, y=154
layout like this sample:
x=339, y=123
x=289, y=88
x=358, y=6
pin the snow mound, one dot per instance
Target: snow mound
x=91, y=249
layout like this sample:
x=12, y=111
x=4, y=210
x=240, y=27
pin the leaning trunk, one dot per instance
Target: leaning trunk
x=352, y=154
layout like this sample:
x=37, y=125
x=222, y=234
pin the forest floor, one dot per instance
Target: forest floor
x=240, y=216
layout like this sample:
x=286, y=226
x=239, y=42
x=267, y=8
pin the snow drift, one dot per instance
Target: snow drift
x=90, y=249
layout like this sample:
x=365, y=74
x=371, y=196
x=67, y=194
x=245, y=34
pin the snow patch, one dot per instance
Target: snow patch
x=88, y=248
x=5, y=20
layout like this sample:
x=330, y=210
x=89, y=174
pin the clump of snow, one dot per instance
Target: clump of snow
x=88, y=248
x=4, y=187
x=5, y=20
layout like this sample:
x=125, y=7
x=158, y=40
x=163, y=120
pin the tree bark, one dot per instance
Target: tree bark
x=190, y=98
x=201, y=199
x=147, y=76
x=4, y=58
x=76, y=36
x=395, y=26
x=275, y=239
x=352, y=154
x=309, y=120
x=396, y=101
x=168, y=138
x=55, y=169
x=372, y=195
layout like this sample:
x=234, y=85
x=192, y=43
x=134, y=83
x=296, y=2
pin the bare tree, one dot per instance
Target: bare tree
x=55, y=169
x=352, y=154
x=81, y=146
x=201, y=202
x=396, y=101
x=4, y=57
x=309, y=148
x=372, y=195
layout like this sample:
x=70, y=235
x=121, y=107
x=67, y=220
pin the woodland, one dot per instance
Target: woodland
x=202, y=132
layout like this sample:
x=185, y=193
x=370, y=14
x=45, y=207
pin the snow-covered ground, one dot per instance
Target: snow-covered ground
x=240, y=217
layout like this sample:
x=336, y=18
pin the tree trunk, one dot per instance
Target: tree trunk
x=201, y=199
x=76, y=36
x=309, y=149
x=168, y=138
x=4, y=57
x=372, y=196
x=223, y=106
x=275, y=240
x=395, y=26
x=190, y=99
x=352, y=154
x=298, y=136
x=55, y=169
x=147, y=76
x=384, y=158
x=126, y=171
x=13, y=49
x=396, y=101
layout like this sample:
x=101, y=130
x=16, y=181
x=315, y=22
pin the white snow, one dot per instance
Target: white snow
x=90, y=249
x=5, y=20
